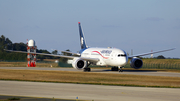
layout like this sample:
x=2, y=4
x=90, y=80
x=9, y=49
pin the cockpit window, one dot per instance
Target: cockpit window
x=121, y=55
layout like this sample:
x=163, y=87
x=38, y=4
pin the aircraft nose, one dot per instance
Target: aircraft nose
x=124, y=61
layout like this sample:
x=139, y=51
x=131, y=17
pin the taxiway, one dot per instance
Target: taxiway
x=132, y=72
x=88, y=92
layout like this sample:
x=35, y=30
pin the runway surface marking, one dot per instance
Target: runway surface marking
x=88, y=92
x=146, y=72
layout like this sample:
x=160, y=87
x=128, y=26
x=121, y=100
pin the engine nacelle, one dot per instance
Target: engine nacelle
x=79, y=63
x=136, y=63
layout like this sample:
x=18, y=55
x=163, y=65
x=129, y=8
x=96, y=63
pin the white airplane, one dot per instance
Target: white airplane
x=116, y=58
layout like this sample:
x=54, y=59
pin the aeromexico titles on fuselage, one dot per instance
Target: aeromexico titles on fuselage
x=103, y=52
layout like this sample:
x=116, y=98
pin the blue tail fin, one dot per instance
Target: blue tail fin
x=82, y=38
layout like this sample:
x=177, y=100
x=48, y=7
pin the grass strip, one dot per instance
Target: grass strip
x=24, y=64
x=90, y=78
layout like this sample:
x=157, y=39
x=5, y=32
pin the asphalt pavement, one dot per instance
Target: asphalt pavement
x=87, y=92
x=132, y=72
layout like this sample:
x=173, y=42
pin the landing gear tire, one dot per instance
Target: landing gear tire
x=114, y=69
x=87, y=69
x=120, y=69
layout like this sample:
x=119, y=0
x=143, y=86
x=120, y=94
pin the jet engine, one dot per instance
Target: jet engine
x=136, y=63
x=79, y=63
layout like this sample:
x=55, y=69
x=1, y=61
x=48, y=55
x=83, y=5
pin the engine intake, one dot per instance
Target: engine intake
x=79, y=63
x=136, y=63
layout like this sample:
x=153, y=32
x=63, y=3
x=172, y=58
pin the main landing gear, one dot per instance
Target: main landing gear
x=87, y=69
x=117, y=69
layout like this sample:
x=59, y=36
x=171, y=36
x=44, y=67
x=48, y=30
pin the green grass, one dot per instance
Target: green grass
x=14, y=98
x=24, y=64
x=90, y=78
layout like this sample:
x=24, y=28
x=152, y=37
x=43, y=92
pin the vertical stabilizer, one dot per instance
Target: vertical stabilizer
x=82, y=38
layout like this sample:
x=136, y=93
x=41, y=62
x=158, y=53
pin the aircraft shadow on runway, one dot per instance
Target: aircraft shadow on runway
x=108, y=70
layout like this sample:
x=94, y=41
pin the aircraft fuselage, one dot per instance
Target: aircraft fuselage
x=106, y=56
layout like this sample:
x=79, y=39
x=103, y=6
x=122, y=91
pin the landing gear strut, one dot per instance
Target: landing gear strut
x=120, y=69
x=86, y=69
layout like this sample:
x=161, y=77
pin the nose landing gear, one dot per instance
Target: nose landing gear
x=120, y=69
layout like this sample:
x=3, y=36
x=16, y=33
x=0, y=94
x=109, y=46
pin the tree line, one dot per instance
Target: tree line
x=6, y=43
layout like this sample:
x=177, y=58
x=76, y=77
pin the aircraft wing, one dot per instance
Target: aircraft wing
x=69, y=52
x=70, y=57
x=150, y=53
x=90, y=59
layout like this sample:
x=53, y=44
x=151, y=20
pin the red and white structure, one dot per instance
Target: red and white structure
x=31, y=58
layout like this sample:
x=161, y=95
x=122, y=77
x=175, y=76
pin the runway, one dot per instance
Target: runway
x=87, y=92
x=132, y=72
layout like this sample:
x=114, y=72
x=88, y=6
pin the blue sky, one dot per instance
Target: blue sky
x=141, y=25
